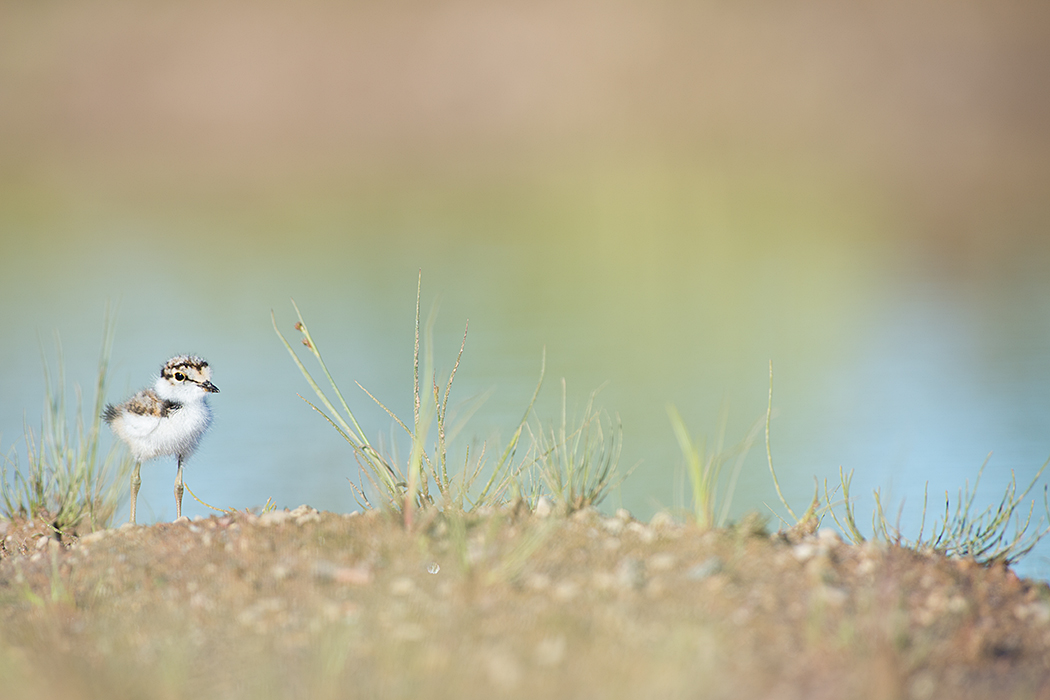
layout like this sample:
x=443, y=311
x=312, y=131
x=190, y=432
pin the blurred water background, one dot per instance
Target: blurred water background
x=666, y=196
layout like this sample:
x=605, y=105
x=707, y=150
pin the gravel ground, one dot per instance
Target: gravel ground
x=302, y=604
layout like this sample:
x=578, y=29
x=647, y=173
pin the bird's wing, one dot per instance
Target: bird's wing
x=139, y=425
x=142, y=414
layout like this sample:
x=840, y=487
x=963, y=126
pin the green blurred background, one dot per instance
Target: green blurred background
x=665, y=195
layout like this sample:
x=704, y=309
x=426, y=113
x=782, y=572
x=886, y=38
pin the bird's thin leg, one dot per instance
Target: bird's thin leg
x=178, y=491
x=136, y=481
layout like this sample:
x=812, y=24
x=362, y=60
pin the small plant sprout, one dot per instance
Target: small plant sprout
x=997, y=533
x=848, y=524
x=578, y=465
x=769, y=451
x=711, y=501
x=1002, y=532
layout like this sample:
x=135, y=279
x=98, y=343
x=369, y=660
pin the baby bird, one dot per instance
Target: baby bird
x=168, y=419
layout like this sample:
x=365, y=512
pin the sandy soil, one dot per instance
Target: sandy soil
x=302, y=604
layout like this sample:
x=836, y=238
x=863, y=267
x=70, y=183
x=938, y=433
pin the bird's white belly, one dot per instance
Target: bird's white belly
x=177, y=433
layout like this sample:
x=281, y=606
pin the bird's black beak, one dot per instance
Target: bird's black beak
x=208, y=386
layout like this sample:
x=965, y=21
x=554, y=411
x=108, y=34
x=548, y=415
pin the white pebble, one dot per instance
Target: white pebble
x=662, y=561
x=804, y=551
x=543, y=507
x=708, y=567
x=828, y=537
x=661, y=519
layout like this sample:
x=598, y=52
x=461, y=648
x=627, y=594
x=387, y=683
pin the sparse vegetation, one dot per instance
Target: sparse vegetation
x=407, y=487
x=998, y=533
x=1003, y=533
x=711, y=499
x=577, y=464
x=66, y=480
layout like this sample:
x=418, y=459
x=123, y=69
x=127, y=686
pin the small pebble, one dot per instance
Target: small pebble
x=804, y=551
x=585, y=515
x=565, y=591
x=663, y=561
x=661, y=519
x=543, y=507
x=630, y=574
x=828, y=537
x=1037, y=612
x=708, y=567
x=866, y=566
x=274, y=517
x=644, y=532
x=324, y=570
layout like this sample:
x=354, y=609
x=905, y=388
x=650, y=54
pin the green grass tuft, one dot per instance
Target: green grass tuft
x=67, y=482
x=711, y=501
x=999, y=533
x=427, y=478
x=578, y=465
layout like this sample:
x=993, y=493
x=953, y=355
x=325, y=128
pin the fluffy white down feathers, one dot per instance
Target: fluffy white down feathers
x=168, y=419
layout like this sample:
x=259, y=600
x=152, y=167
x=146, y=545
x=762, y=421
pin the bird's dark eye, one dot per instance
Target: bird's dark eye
x=179, y=376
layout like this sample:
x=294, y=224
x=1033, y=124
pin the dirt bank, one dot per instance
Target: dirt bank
x=303, y=604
